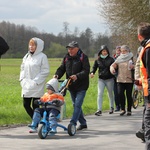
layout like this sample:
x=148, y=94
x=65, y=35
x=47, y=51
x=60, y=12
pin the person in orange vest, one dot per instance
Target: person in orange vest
x=140, y=132
x=144, y=38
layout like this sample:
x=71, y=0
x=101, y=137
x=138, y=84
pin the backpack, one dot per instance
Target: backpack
x=81, y=58
x=3, y=46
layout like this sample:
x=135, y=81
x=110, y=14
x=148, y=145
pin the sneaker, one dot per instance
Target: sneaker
x=81, y=127
x=129, y=113
x=122, y=112
x=33, y=130
x=98, y=113
x=140, y=134
x=111, y=110
x=53, y=131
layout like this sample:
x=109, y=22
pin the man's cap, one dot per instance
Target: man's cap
x=72, y=44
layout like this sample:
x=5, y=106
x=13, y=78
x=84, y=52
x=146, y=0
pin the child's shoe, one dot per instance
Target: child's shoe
x=33, y=130
x=53, y=131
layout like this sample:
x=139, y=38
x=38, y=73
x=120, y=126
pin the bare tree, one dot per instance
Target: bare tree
x=123, y=16
x=66, y=31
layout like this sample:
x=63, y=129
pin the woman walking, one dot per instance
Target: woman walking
x=106, y=79
x=124, y=65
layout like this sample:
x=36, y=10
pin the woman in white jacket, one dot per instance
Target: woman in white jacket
x=34, y=71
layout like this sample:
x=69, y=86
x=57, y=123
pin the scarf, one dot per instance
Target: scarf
x=124, y=57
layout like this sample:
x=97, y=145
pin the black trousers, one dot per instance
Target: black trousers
x=116, y=96
x=29, y=105
x=143, y=127
x=125, y=92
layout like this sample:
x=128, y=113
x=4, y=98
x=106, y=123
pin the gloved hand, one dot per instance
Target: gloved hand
x=56, y=102
x=38, y=102
x=48, y=103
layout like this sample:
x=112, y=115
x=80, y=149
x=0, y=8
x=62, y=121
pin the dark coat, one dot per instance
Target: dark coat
x=104, y=67
x=78, y=65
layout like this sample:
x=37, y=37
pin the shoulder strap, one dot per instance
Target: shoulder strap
x=66, y=58
x=81, y=58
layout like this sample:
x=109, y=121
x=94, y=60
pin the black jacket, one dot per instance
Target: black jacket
x=104, y=67
x=78, y=65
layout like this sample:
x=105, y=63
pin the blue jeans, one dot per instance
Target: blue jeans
x=77, y=100
x=38, y=113
x=109, y=84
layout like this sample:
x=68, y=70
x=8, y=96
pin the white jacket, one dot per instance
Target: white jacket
x=34, y=71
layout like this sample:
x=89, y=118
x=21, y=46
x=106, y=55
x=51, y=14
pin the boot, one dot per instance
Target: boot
x=35, y=121
x=53, y=125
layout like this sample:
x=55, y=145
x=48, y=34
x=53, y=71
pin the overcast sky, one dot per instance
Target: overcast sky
x=49, y=15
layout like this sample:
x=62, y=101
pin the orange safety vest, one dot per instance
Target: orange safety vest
x=50, y=97
x=143, y=72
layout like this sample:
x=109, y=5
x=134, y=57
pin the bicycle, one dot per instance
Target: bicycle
x=137, y=97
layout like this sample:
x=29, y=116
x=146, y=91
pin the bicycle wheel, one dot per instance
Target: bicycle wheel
x=42, y=131
x=135, y=99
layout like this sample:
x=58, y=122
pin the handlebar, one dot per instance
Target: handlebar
x=39, y=102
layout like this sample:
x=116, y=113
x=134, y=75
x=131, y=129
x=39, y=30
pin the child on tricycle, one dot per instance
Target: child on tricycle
x=53, y=110
x=51, y=103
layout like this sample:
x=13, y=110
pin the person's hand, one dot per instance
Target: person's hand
x=114, y=65
x=56, y=102
x=38, y=102
x=137, y=82
x=55, y=76
x=92, y=75
x=73, y=77
x=132, y=66
x=112, y=70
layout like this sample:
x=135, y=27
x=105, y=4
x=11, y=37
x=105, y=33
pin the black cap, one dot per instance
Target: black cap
x=72, y=44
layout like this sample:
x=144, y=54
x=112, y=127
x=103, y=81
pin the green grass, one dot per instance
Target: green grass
x=11, y=108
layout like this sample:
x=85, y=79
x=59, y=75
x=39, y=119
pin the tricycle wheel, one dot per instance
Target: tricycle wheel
x=42, y=131
x=71, y=129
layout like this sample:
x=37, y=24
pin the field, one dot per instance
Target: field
x=11, y=108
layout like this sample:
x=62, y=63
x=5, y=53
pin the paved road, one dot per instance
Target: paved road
x=104, y=133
